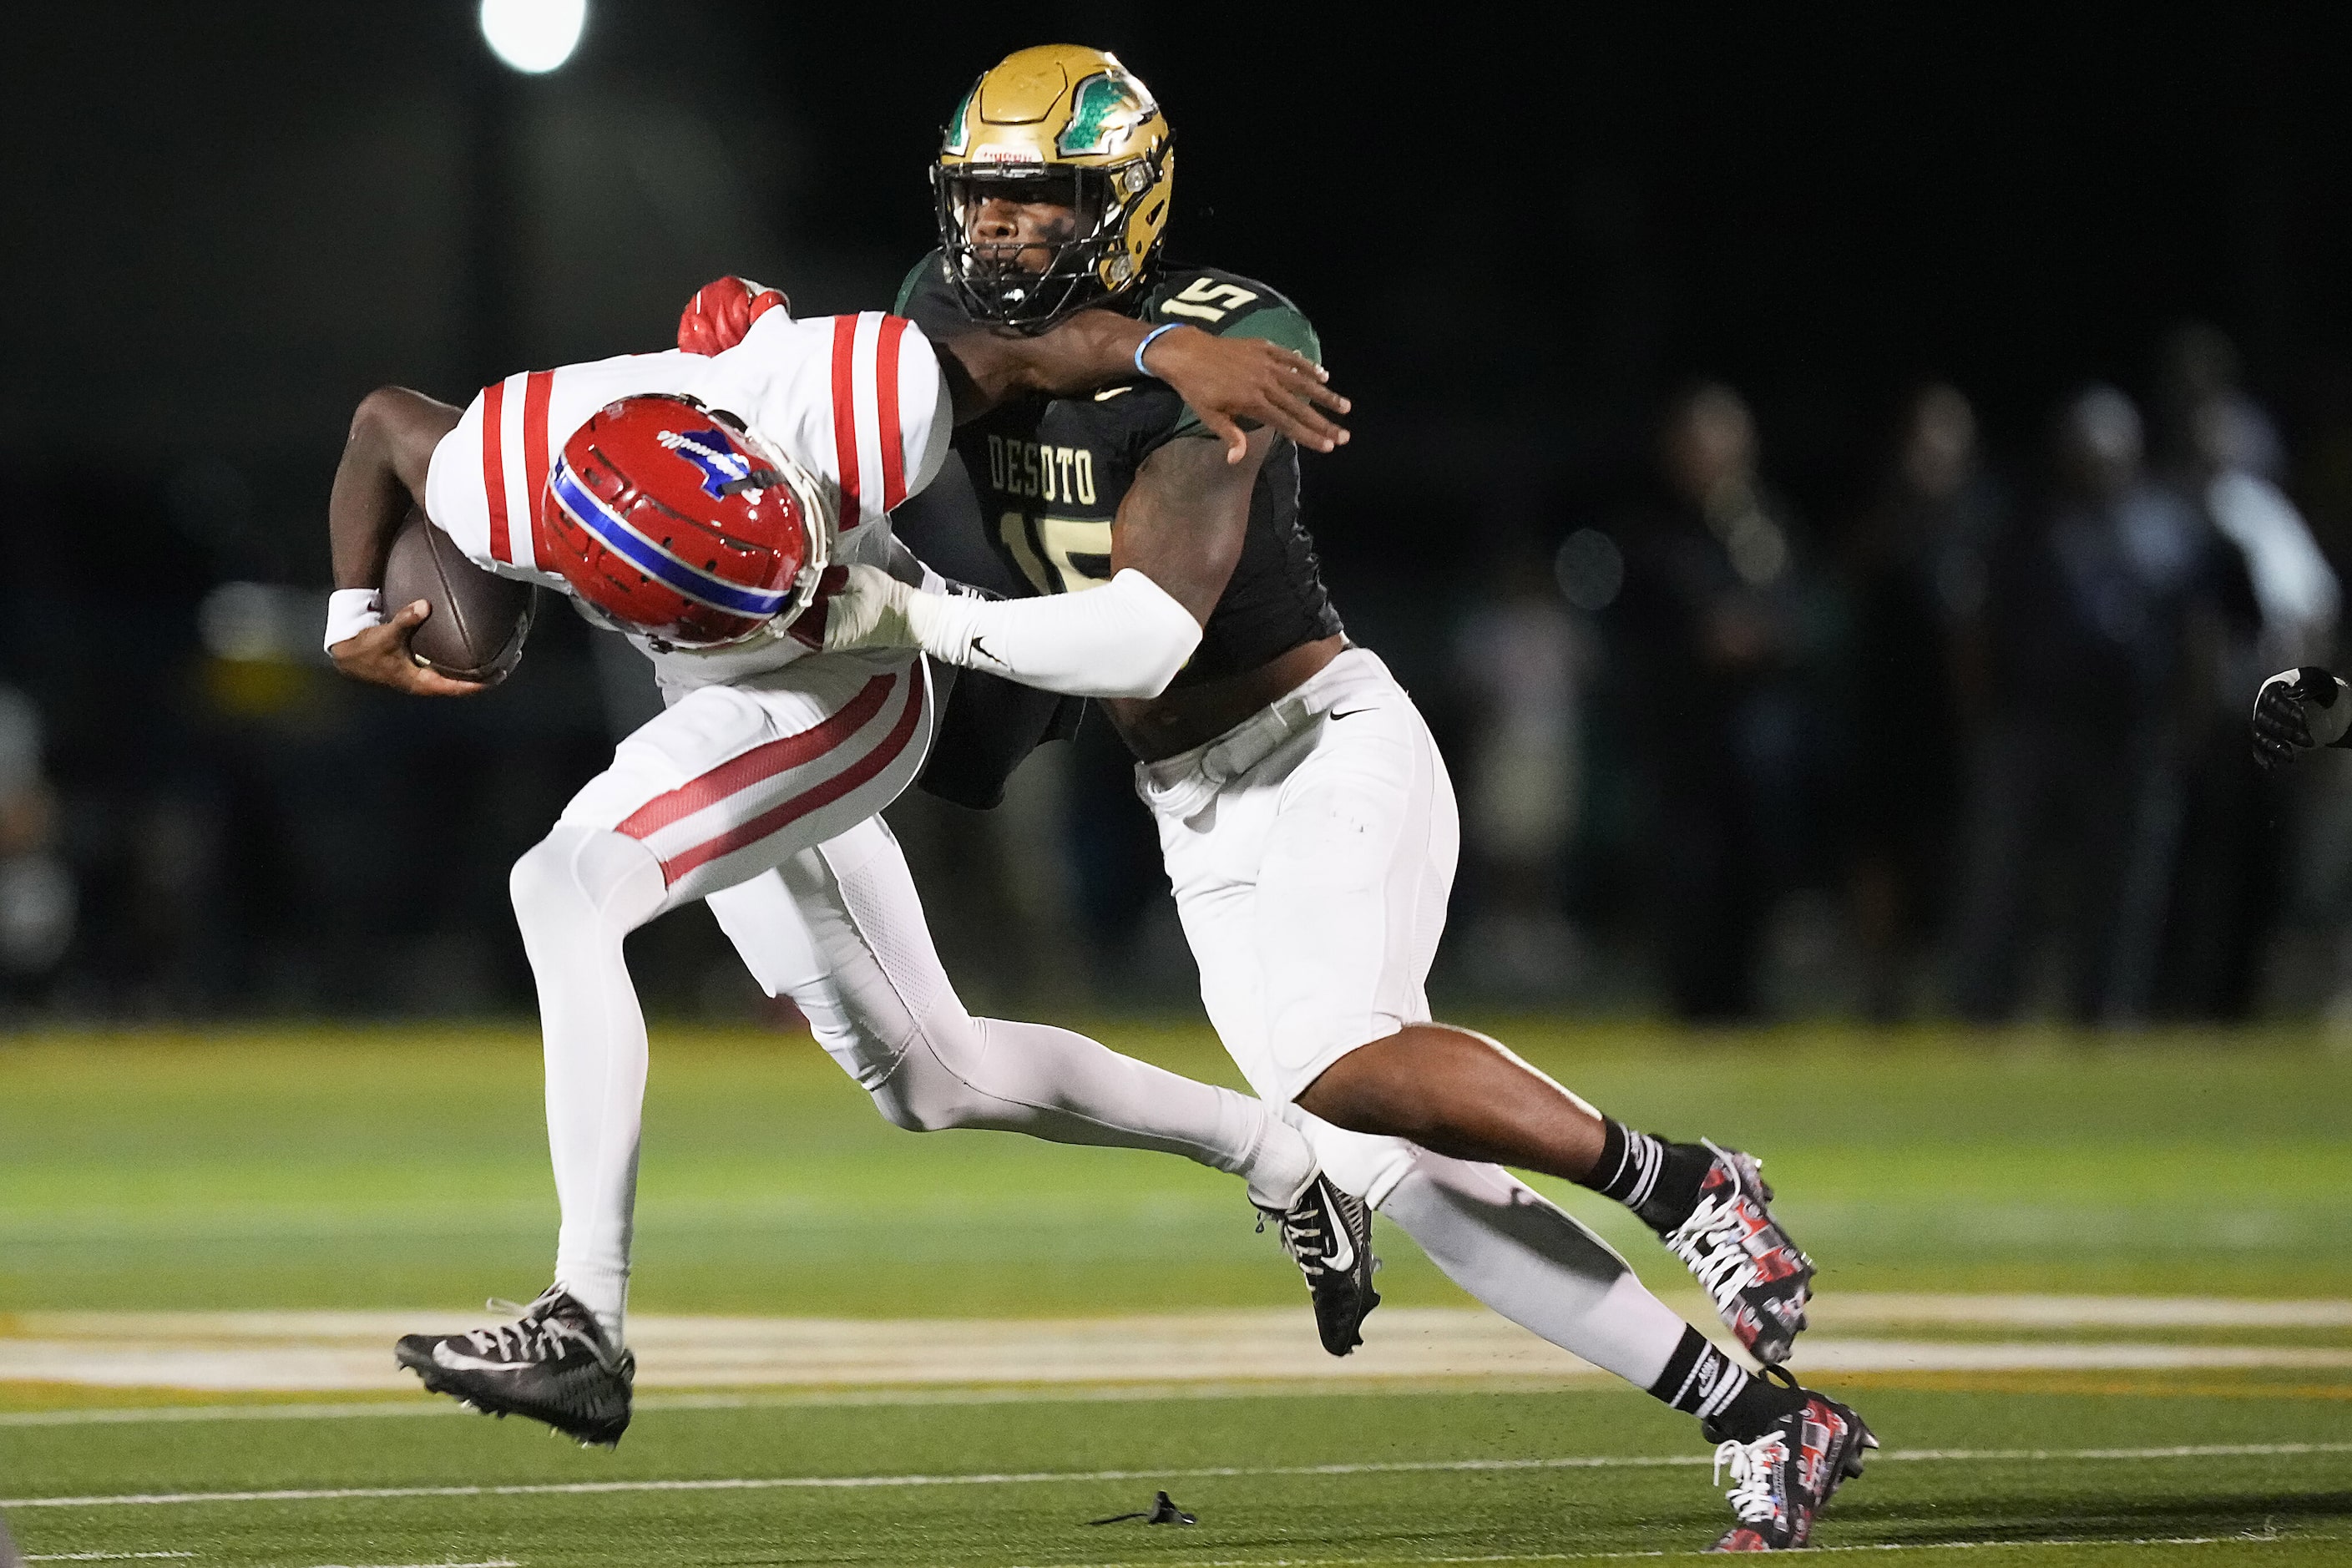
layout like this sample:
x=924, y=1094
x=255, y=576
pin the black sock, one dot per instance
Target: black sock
x=1701, y=1380
x=1657, y=1180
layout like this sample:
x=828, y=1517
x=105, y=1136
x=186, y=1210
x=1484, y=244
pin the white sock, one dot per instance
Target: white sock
x=576, y=895
x=1531, y=1261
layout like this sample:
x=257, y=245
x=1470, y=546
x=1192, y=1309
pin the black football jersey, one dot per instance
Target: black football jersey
x=1049, y=472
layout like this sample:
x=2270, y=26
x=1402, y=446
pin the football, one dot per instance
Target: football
x=478, y=621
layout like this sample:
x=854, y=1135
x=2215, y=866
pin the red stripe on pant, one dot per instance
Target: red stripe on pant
x=761, y=762
x=777, y=818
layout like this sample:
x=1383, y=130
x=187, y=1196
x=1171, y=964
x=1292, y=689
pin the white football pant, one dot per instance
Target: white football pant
x=760, y=796
x=1311, y=850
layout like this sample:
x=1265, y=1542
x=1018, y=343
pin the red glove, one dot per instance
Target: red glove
x=721, y=312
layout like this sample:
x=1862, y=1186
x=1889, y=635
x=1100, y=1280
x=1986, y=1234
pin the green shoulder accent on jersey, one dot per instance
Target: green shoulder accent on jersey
x=928, y=265
x=1232, y=307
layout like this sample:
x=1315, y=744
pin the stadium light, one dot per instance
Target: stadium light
x=534, y=36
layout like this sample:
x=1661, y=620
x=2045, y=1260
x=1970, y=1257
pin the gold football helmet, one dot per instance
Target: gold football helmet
x=1064, y=124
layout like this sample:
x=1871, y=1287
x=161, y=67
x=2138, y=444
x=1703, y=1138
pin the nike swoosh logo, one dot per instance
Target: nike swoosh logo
x=458, y=1361
x=1107, y=393
x=1342, y=1256
x=979, y=651
x=1352, y=713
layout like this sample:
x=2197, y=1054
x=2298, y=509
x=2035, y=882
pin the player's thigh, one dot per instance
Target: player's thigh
x=732, y=781
x=1352, y=889
x=1212, y=862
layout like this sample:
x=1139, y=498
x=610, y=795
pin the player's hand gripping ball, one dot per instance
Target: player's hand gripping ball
x=478, y=620
x=2297, y=710
x=720, y=312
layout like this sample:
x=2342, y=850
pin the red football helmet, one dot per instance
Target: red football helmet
x=677, y=522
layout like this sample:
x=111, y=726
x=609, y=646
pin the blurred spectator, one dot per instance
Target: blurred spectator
x=1522, y=660
x=2219, y=448
x=1919, y=576
x=1717, y=627
x=2223, y=452
x=36, y=891
x=2098, y=617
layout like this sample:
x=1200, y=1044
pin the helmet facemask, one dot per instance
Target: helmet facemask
x=989, y=276
x=1057, y=124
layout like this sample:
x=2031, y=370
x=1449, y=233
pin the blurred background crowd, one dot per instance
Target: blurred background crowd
x=1834, y=484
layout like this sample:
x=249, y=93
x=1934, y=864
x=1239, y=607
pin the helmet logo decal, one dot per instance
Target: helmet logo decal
x=1104, y=111
x=720, y=463
x=958, y=126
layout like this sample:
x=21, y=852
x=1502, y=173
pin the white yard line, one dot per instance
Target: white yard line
x=340, y=1351
x=1840, y=1309
x=1696, y=1552
x=1219, y=1472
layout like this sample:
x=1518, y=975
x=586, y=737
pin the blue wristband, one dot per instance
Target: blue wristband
x=1146, y=343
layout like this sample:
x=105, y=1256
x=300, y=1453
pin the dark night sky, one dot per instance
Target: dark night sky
x=1514, y=231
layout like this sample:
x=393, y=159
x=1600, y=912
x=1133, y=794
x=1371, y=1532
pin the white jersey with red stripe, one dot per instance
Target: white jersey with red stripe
x=857, y=401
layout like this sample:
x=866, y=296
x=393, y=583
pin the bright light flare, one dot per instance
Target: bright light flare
x=534, y=36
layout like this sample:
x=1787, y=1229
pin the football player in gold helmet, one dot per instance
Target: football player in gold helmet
x=1304, y=813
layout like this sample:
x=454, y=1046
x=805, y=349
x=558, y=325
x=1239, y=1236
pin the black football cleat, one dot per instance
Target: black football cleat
x=1328, y=1234
x=1781, y=1482
x=1758, y=1278
x=554, y=1364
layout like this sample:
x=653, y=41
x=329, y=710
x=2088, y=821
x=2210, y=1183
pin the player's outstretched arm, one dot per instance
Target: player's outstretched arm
x=1231, y=383
x=1174, y=545
x=2298, y=710
x=381, y=476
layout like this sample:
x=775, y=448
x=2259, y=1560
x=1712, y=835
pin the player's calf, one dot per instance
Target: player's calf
x=552, y=1364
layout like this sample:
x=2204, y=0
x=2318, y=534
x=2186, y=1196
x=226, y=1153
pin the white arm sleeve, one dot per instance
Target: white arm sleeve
x=1126, y=639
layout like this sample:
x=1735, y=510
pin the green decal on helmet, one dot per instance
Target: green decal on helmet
x=959, y=125
x=1102, y=111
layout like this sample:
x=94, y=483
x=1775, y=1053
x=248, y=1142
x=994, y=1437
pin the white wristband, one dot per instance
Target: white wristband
x=350, y=611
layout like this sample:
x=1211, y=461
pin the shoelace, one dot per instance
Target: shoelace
x=536, y=1331
x=1713, y=1243
x=1752, y=1465
x=1301, y=1236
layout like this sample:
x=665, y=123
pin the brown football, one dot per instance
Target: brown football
x=478, y=621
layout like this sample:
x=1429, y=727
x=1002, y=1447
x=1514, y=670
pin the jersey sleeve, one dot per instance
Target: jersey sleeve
x=1233, y=307
x=859, y=401
x=483, y=487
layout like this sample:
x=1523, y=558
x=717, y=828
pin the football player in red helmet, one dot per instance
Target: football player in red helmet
x=692, y=502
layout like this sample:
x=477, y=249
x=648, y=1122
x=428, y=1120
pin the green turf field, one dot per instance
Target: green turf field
x=336, y=1170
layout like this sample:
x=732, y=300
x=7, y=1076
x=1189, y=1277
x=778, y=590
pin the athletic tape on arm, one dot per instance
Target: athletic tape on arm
x=1126, y=639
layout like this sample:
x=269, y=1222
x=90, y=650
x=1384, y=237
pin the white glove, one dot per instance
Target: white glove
x=869, y=609
x=1127, y=638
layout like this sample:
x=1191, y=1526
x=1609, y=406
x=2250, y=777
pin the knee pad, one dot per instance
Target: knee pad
x=925, y=1093
x=579, y=874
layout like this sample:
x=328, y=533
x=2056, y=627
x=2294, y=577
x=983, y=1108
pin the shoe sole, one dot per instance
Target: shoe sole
x=437, y=1380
